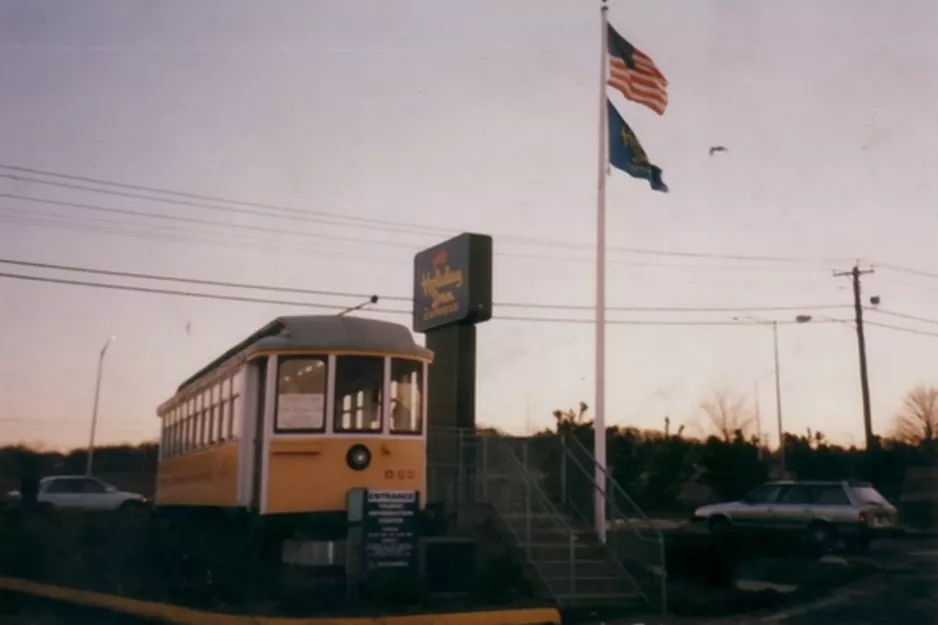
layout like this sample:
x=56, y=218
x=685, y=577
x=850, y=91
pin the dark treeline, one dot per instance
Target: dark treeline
x=661, y=471
x=132, y=467
x=670, y=472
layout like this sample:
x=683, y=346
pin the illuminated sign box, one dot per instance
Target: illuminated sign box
x=453, y=282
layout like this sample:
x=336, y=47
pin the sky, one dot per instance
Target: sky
x=381, y=128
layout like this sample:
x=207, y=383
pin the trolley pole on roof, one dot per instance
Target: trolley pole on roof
x=94, y=413
x=371, y=300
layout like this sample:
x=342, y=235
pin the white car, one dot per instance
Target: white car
x=80, y=492
x=826, y=511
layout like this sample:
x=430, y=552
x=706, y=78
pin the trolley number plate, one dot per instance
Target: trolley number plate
x=400, y=474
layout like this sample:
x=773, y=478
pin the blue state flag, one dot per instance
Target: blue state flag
x=626, y=153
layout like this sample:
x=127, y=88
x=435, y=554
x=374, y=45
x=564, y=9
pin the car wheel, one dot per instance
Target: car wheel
x=820, y=537
x=720, y=525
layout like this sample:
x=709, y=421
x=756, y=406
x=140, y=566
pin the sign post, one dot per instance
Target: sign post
x=390, y=535
x=452, y=293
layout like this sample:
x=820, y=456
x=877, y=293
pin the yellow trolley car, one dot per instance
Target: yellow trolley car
x=287, y=422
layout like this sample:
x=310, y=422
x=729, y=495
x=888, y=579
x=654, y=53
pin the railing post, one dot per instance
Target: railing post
x=572, y=564
x=460, y=469
x=563, y=468
x=484, y=442
x=610, y=494
x=527, y=491
x=664, y=576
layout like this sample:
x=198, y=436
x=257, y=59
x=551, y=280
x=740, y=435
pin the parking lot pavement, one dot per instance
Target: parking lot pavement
x=906, y=591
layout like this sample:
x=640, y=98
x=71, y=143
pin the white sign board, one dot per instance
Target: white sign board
x=301, y=411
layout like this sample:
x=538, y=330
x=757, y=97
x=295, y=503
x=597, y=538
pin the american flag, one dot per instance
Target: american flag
x=632, y=72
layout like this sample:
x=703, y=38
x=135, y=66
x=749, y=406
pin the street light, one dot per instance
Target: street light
x=97, y=394
x=778, y=382
x=758, y=409
x=864, y=383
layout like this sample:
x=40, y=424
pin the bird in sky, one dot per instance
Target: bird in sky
x=717, y=148
x=188, y=328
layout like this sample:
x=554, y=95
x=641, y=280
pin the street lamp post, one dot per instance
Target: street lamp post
x=778, y=401
x=94, y=413
x=778, y=388
x=755, y=386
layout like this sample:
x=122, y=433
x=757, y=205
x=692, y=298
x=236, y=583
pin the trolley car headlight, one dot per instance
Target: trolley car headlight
x=358, y=457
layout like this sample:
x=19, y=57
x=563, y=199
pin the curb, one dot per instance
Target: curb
x=168, y=613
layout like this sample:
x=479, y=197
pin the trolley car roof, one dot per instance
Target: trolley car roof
x=327, y=333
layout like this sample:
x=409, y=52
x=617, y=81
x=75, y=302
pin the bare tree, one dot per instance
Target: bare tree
x=728, y=413
x=916, y=422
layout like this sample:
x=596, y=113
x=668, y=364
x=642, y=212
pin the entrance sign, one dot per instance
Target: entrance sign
x=390, y=530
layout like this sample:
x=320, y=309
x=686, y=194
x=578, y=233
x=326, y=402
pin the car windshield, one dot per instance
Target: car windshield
x=868, y=494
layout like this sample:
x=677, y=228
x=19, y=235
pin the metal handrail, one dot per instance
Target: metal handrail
x=545, y=504
x=619, y=491
x=555, y=515
x=611, y=502
x=543, y=496
x=609, y=549
x=659, y=537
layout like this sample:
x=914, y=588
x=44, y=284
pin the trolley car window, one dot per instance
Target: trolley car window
x=187, y=426
x=225, y=408
x=235, y=430
x=216, y=414
x=406, y=396
x=204, y=419
x=301, y=394
x=197, y=421
x=358, y=397
x=184, y=433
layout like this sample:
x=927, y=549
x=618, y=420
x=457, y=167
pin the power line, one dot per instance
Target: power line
x=205, y=222
x=337, y=238
x=399, y=298
x=215, y=296
x=903, y=315
x=247, y=208
x=636, y=322
x=288, y=212
x=901, y=328
x=256, y=300
x=239, y=285
x=908, y=270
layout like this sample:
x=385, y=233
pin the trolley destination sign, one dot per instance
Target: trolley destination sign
x=453, y=282
x=390, y=530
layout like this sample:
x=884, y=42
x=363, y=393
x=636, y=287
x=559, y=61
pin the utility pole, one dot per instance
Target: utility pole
x=855, y=274
x=94, y=415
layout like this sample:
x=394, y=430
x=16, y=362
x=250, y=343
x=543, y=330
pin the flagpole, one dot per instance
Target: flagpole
x=599, y=423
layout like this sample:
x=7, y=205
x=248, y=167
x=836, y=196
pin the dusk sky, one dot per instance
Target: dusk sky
x=380, y=128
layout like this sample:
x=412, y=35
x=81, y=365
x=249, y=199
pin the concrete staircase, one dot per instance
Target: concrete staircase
x=564, y=558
